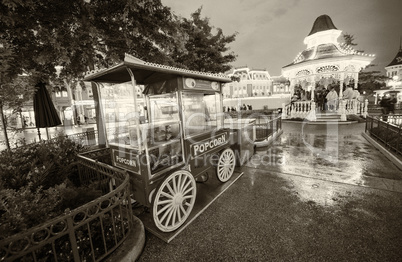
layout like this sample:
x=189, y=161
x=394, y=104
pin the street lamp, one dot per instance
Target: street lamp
x=395, y=82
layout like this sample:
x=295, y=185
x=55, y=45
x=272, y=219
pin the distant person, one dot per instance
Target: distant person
x=384, y=103
x=391, y=104
x=320, y=99
x=348, y=93
x=332, y=99
x=303, y=96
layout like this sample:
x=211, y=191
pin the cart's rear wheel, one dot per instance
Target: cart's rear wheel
x=174, y=200
x=226, y=165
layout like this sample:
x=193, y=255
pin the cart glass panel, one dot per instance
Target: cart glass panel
x=200, y=113
x=120, y=112
x=164, y=108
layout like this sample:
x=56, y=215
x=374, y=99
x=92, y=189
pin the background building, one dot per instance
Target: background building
x=251, y=83
x=394, y=70
x=394, y=84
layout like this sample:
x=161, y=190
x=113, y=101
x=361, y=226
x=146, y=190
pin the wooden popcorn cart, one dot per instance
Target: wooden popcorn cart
x=164, y=125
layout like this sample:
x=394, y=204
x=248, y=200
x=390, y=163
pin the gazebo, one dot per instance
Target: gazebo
x=325, y=61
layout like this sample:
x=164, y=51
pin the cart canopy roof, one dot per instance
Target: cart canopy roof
x=146, y=73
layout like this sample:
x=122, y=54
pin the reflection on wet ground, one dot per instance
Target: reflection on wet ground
x=328, y=152
x=294, y=205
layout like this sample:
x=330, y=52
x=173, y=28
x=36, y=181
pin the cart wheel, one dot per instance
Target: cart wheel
x=226, y=165
x=174, y=200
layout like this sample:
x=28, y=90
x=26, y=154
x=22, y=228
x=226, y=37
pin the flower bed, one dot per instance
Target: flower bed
x=49, y=212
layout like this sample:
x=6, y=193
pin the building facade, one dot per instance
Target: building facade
x=248, y=83
x=394, y=84
x=394, y=70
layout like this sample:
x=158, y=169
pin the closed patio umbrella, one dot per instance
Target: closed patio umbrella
x=45, y=113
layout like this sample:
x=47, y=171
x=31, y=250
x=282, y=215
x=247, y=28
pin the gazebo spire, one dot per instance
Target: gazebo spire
x=400, y=43
x=322, y=23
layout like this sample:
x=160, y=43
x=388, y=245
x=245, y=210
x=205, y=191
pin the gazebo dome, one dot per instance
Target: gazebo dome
x=322, y=32
x=322, y=23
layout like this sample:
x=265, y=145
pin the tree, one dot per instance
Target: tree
x=371, y=80
x=14, y=89
x=37, y=36
x=204, y=51
x=81, y=35
x=368, y=80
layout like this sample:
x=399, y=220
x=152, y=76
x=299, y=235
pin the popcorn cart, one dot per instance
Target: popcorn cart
x=164, y=126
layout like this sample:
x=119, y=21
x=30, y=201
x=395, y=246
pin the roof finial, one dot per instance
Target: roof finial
x=400, y=43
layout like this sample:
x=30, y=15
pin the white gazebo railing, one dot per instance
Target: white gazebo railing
x=300, y=109
x=307, y=109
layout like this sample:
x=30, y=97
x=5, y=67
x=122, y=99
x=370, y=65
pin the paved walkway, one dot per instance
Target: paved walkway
x=320, y=193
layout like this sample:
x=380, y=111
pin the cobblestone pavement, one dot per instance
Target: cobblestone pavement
x=320, y=193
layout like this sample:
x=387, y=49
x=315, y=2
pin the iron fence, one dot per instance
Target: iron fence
x=267, y=127
x=86, y=139
x=388, y=132
x=88, y=233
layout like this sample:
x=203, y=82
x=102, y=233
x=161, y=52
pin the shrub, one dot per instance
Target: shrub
x=45, y=164
x=35, y=184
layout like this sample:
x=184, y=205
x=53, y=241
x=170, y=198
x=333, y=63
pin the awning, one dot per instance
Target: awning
x=146, y=73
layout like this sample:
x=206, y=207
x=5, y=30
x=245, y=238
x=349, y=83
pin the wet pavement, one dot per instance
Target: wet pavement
x=330, y=152
x=319, y=193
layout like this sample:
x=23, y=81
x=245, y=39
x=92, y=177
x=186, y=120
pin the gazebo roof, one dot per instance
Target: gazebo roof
x=324, y=51
x=322, y=23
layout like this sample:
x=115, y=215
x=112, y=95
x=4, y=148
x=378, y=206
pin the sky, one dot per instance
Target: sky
x=271, y=32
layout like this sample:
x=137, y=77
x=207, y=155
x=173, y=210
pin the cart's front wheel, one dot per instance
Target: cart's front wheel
x=226, y=165
x=174, y=200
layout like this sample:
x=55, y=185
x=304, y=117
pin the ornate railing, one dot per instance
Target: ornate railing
x=306, y=109
x=388, y=133
x=395, y=120
x=88, y=233
x=299, y=109
x=87, y=138
x=354, y=107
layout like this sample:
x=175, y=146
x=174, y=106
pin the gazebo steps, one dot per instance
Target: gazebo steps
x=329, y=118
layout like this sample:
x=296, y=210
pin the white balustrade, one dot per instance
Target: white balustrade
x=302, y=109
x=353, y=107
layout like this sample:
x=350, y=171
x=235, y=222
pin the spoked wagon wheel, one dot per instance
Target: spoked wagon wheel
x=174, y=200
x=226, y=165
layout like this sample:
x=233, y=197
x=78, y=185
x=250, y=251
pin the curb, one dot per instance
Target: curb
x=347, y=122
x=383, y=150
x=132, y=246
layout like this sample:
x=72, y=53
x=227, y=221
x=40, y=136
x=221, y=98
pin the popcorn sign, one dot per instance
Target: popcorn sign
x=125, y=160
x=207, y=145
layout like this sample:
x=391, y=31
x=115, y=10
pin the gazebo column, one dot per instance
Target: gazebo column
x=312, y=90
x=341, y=87
x=341, y=105
x=356, y=81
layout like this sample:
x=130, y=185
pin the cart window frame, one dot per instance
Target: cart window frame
x=200, y=110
